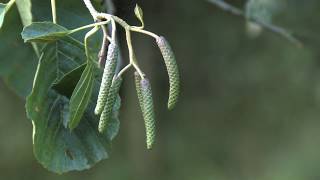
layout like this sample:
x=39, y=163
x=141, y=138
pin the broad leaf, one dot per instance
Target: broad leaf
x=81, y=96
x=55, y=146
x=43, y=32
x=17, y=60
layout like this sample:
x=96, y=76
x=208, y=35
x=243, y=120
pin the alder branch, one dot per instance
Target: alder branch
x=270, y=27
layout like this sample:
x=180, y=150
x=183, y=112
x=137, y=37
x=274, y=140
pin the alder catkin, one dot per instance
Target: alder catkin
x=146, y=104
x=108, y=73
x=137, y=80
x=106, y=114
x=173, y=72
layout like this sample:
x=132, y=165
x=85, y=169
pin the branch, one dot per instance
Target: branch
x=270, y=27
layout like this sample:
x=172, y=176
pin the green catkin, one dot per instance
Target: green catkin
x=146, y=104
x=173, y=72
x=108, y=73
x=106, y=114
x=137, y=80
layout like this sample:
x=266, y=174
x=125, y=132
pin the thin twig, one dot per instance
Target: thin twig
x=270, y=27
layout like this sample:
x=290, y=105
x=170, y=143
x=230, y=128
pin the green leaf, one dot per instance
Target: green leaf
x=139, y=14
x=16, y=69
x=43, y=32
x=81, y=96
x=55, y=146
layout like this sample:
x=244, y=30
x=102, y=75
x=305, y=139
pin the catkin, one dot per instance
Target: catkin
x=146, y=104
x=106, y=114
x=137, y=80
x=108, y=73
x=173, y=72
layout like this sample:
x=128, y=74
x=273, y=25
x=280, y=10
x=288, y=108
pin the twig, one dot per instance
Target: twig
x=270, y=27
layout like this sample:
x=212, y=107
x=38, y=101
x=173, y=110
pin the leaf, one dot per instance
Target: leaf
x=17, y=61
x=43, y=32
x=55, y=146
x=139, y=13
x=81, y=96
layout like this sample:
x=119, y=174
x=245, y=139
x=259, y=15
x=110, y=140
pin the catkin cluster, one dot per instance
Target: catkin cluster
x=111, y=81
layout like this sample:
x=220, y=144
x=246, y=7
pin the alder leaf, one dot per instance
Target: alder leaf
x=81, y=96
x=43, y=32
x=55, y=146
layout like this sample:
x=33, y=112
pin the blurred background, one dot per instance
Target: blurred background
x=249, y=108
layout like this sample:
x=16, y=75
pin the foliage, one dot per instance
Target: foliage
x=67, y=134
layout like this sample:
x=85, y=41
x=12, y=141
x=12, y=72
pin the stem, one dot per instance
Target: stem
x=91, y=9
x=54, y=11
x=136, y=29
x=270, y=27
x=88, y=35
x=132, y=57
x=124, y=70
x=89, y=26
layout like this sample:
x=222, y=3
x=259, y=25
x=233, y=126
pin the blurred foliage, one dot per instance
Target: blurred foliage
x=249, y=107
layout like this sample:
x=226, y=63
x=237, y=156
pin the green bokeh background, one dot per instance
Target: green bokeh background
x=249, y=107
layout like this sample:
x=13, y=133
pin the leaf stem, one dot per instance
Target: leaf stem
x=124, y=70
x=132, y=56
x=88, y=35
x=54, y=11
x=89, y=26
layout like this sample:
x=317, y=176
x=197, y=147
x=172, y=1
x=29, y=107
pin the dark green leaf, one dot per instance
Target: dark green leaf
x=43, y=32
x=55, y=146
x=17, y=60
x=81, y=96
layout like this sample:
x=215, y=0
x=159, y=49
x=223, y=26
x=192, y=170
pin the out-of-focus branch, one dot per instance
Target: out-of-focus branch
x=270, y=27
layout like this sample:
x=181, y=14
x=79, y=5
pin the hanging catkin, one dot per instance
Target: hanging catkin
x=108, y=73
x=146, y=104
x=106, y=114
x=173, y=72
x=137, y=80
